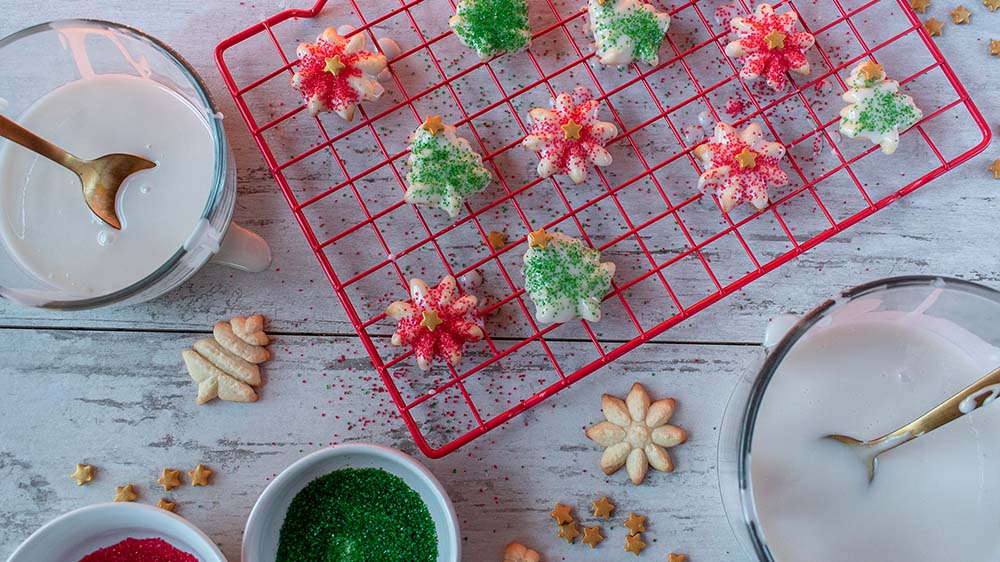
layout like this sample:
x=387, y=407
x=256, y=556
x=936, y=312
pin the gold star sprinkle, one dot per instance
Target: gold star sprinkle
x=871, y=70
x=496, y=239
x=572, y=130
x=569, y=532
x=125, y=493
x=921, y=5
x=960, y=15
x=993, y=5
x=561, y=514
x=635, y=523
x=431, y=320
x=84, y=473
x=995, y=46
x=166, y=504
x=603, y=508
x=747, y=159
x=634, y=544
x=995, y=168
x=433, y=125
x=170, y=479
x=676, y=557
x=334, y=65
x=200, y=475
x=592, y=536
x=933, y=27
x=539, y=239
x=775, y=40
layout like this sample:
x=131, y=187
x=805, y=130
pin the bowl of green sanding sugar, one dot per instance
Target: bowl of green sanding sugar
x=353, y=503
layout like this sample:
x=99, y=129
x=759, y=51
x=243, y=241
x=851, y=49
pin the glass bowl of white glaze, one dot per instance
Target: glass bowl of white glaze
x=95, y=88
x=863, y=364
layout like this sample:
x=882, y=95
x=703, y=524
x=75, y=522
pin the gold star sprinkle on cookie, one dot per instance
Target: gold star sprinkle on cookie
x=432, y=124
x=635, y=523
x=200, y=475
x=775, y=40
x=561, y=514
x=634, y=544
x=572, y=130
x=539, y=238
x=592, y=536
x=166, y=504
x=569, y=532
x=496, y=239
x=170, y=479
x=995, y=168
x=676, y=557
x=603, y=508
x=920, y=5
x=431, y=320
x=84, y=473
x=995, y=46
x=871, y=70
x=747, y=159
x=993, y=5
x=933, y=27
x=334, y=65
x=960, y=15
x=125, y=493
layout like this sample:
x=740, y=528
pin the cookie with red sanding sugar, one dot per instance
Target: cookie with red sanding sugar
x=740, y=166
x=436, y=322
x=568, y=137
x=336, y=74
x=770, y=46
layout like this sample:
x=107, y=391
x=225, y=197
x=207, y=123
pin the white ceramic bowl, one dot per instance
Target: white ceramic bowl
x=260, y=541
x=72, y=536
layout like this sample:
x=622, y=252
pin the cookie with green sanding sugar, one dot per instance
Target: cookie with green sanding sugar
x=877, y=111
x=492, y=27
x=565, y=278
x=627, y=30
x=444, y=168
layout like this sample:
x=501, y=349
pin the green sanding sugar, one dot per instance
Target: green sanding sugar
x=492, y=27
x=357, y=515
x=885, y=111
x=634, y=26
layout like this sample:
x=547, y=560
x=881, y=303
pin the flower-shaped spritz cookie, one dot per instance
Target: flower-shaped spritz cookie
x=740, y=166
x=492, y=27
x=565, y=278
x=336, y=74
x=436, y=322
x=770, y=45
x=444, y=169
x=878, y=112
x=568, y=137
x=636, y=434
x=627, y=30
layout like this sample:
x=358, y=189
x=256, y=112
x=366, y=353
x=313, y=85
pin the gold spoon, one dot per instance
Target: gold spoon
x=101, y=178
x=971, y=398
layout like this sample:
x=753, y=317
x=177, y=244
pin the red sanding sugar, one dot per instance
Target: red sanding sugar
x=139, y=550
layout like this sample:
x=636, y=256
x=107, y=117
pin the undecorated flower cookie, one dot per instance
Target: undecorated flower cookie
x=878, y=112
x=565, y=278
x=517, y=552
x=336, y=74
x=770, y=45
x=740, y=166
x=492, y=27
x=444, y=169
x=627, y=30
x=568, y=137
x=436, y=323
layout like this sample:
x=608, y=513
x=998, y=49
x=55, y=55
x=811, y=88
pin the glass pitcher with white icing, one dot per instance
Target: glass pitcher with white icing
x=96, y=88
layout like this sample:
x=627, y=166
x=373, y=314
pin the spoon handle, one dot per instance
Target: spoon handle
x=971, y=398
x=16, y=133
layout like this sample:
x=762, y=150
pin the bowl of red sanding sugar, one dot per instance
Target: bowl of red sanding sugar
x=353, y=502
x=118, y=532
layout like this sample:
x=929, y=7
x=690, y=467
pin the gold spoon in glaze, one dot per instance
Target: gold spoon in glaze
x=971, y=398
x=101, y=178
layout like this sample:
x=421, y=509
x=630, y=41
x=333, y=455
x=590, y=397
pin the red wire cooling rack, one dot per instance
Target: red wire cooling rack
x=677, y=253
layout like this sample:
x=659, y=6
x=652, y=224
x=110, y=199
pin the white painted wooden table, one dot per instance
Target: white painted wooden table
x=107, y=388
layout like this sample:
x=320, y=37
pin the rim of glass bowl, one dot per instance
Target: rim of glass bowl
x=222, y=159
x=777, y=354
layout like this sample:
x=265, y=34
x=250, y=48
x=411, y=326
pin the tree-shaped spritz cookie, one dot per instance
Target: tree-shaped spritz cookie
x=336, y=74
x=444, y=169
x=492, y=27
x=225, y=366
x=627, y=30
x=436, y=322
x=770, y=45
x=568, y=137
x=878, y=112
x=740, y=166
x=565, y=278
